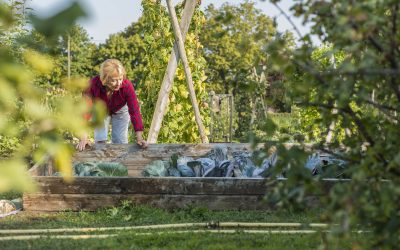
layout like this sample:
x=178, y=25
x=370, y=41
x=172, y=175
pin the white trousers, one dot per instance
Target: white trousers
x=119, y=127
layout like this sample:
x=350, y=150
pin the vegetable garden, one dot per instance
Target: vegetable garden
x=295, y=114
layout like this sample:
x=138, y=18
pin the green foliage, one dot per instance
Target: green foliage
x=100, y=169
x=133, y=215
x=13, y=24
x=147, y=215
x=31, y=129
x=8, y=145
x=234, y=37
x=155, y=169
x=311, y=126
x=360, y=95
x=191, y=240
x=10, y=195
x=280, y=126
x=82, y=52
x=64, y=19
x=179, y=122
x=54, y=82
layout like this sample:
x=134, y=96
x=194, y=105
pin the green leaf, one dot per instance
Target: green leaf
x=65, y=19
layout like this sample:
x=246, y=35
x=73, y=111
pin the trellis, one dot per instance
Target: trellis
x=166, y=86
x=221, y=114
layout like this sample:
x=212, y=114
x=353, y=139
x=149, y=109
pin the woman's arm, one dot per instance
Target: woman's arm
x=139, y=139
x=134, y=112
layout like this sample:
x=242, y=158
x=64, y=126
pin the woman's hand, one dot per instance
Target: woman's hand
x=139, y=140
x=142, y=144
x=82, y=143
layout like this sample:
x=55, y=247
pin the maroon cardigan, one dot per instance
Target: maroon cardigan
x=125, y=95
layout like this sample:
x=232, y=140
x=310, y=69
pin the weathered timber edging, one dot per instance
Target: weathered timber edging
x=91, y=193
x=143, y=185
x=163, y=185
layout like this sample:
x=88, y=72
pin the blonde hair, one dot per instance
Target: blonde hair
x=111, y=68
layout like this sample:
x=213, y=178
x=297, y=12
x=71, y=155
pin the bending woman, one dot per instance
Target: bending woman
x=117, y=92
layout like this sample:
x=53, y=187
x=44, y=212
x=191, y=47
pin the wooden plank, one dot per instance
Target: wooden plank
x=167, y=185
x=170, y=185
x=122, y=151
x=78, y=202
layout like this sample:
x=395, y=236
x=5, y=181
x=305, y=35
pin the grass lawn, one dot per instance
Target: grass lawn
x=183, y=241
x=132, y=215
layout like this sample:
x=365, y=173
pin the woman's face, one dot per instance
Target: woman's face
x=115, y=83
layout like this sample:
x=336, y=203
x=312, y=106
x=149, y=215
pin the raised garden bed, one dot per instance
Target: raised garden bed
x=90, y=193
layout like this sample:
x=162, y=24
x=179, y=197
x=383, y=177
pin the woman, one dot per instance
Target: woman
x=117, y=92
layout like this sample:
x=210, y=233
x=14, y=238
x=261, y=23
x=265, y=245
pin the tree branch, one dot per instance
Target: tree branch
x=360, y=125
x=289, y=20
x=350, y=112
x=379, y=72
x=394, y=44
x=380, y=106
x=388, y=55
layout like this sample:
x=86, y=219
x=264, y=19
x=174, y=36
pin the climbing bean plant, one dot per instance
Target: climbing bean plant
x=179, y=123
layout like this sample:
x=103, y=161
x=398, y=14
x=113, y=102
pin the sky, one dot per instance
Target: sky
x=106, y=17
